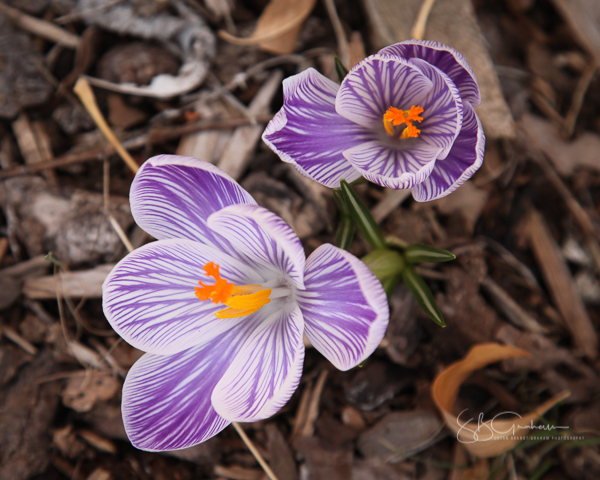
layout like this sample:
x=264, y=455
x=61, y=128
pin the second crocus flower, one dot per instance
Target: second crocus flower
x=402, y=118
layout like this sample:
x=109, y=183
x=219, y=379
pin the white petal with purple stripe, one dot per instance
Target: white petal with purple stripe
x=266, y=371
x=172, y=196
x=378, y=83
x=263, y=237
x=444, y=57
x=166, y=398
x=393, y=167
x=149, y=297
x=310, y=134
x=344, y=306
x=442, y=110
x=465, y=157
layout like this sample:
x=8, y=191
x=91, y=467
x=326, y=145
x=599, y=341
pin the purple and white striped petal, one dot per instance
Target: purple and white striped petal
x=378, y=83
x=149, y=297
x=393, y=167
x=444, y=57
x=172, y=196
x=266, y=371
x=461, y=163
x=442, y=110
x=166, y=398
x=263, y=237
x=308, y=132
x=344, y=306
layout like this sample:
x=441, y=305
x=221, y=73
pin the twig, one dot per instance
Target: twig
x=86, y=95
x=342, y=41
x=40, y=27
x=254, y=451
x=143, y=139
x=418, y=30
x=120, y=232
x=578, y=96
x=113, y=221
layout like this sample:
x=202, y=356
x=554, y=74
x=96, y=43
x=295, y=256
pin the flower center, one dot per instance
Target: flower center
x=241, y=299
x=394, y=117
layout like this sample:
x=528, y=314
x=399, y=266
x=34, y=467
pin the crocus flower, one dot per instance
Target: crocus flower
x=221, y=302
x=402, y=118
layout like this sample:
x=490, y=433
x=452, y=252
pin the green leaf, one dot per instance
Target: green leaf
x=420, y=252
x=385, y=263
x=362, y=217
x=340, y=199
x=422, y=294
x=340, y=69
x=345, y=232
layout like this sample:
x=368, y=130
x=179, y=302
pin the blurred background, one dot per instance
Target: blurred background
x=202, y=78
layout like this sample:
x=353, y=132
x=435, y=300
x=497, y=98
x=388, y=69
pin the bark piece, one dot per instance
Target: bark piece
x=399, y=435
x=21, y=81
x=27, y=413
x=561, y=285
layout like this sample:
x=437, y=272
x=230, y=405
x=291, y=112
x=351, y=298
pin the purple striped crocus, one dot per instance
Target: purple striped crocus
x=221, y=302
x=402, y=118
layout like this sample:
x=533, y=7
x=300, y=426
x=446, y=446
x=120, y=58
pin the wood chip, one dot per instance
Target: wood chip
x=583, y=16
x=79, y=284
x=238, y=473
x=390, y=202
x=98, y=442
x=237, y=155
x=561, y=285
x=40, y=27
x=452, y=22
x=19, y=340
x=566, y=156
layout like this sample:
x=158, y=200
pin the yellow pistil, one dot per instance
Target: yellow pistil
x=394, y=117
x=241, y=299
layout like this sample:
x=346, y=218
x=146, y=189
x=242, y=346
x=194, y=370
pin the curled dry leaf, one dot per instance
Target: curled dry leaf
x=486, y=439
x=278, y=27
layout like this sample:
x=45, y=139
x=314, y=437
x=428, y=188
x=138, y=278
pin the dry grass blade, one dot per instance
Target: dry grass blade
x=561, y=286
x=418, y=31
x=490, y=439
x=278, y=27
x=255, y=452
x=342, y=41
x=86, y=95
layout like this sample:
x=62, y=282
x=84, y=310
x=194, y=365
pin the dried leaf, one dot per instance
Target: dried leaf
x=495, y=438
x=278, y=27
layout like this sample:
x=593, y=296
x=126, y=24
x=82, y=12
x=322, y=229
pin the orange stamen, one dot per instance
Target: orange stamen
x=394, y=117
x=241, y=299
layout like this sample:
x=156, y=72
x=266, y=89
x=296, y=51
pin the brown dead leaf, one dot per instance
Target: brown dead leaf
x=278, y=27
x=488, y=439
